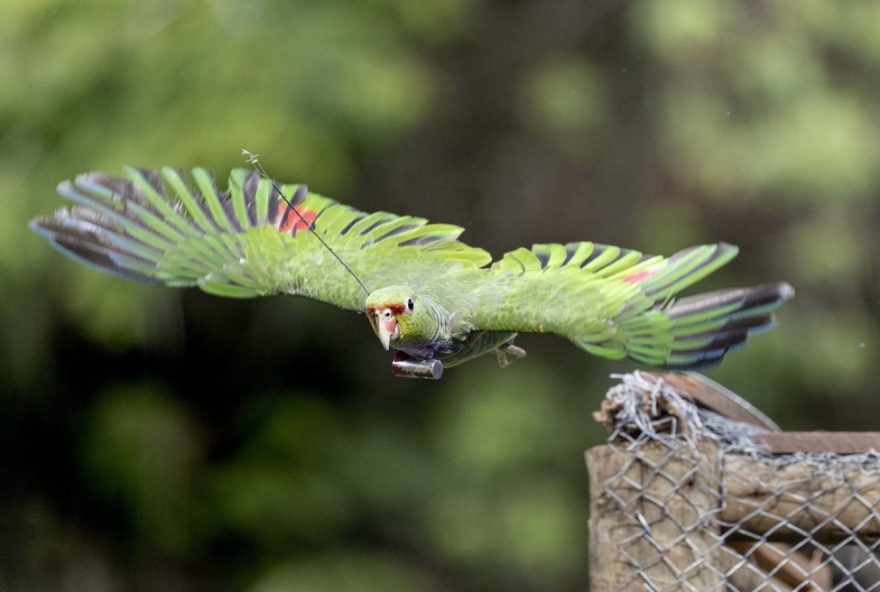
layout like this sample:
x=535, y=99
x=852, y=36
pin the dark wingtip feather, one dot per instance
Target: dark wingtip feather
x=785, y=290
x=753, y=315
x=764, y=294
x=765, y=297
x=38, y=225
x=83, y=242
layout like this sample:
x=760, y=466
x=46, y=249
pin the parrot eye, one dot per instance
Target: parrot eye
x=409, y=304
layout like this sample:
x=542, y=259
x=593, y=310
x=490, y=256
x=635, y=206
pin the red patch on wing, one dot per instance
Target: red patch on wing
x=288, y=221
x=640, y=276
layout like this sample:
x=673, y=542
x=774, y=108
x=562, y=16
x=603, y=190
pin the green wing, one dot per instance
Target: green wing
x=564, y=289
x=246, y=241
x=616, y=302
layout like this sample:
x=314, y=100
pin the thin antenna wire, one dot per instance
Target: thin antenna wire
x=254, y=159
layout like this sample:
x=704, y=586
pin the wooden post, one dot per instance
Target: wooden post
x=651, y=517
x=793, y=499
x=658, y=521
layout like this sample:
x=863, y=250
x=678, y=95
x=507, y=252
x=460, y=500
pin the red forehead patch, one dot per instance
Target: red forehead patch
x=395, y=309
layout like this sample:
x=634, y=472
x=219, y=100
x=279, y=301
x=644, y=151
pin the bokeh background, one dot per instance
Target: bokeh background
x=153, y=439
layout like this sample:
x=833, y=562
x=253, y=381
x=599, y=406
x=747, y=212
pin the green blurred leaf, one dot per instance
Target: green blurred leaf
x=141, y=449
x=365, y=572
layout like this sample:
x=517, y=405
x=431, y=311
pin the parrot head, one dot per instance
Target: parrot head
x=397, y=317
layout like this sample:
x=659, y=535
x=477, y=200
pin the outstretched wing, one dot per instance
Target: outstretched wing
x=616, y=302
x=562, y=289
x=246, y=241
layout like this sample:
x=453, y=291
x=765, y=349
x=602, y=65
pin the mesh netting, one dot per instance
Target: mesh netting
x=684, y=499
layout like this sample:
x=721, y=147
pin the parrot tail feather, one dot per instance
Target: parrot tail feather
x=697, y=331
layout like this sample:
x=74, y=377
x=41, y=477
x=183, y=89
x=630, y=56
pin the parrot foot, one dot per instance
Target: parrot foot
x=404, y=366
x=507, y=351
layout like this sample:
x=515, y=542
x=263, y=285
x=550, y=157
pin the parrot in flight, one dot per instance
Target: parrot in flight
x=434, y=300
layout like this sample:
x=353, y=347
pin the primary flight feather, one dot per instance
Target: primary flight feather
x=433, y=299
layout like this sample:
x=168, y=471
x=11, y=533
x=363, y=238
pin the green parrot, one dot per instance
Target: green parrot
x=433, y=299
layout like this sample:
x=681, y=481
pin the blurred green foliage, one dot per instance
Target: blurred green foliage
x=156, y=439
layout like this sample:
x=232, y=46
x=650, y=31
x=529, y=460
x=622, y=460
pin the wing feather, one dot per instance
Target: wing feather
x=580, y=290
x=245, y=241
x=616, y=302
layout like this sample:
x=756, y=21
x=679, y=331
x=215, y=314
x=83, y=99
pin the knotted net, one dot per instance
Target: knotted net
x=684, y=498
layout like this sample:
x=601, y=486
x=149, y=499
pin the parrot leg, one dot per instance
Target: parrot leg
x=407, y=367
x=506, y=351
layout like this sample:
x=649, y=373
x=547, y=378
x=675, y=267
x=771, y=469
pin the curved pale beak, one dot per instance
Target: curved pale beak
x=387, y=329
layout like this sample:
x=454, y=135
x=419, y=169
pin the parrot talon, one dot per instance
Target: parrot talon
x=407, y=367
x=510, y=350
